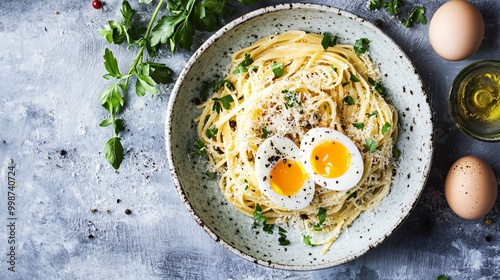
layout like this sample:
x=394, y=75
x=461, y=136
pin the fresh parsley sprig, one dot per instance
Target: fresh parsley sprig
x=175, y=28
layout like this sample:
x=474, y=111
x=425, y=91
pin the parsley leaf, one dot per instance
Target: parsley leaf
x=268, y=228
x=307, y=241
x=334, y=69
x=199, y=148
x=371, y=145
x=353, y=78
x=442, y=277
x=258, y=217
x=111, y=99
x=359, y=125
x=223, y=83
x=111, y=65
x=348, y=100
x=226, y=103
x=416, y=15
x=352, y=195
x=374, y=113
x=385, y=128
x=113, y=151
x=242, y=66
x=211, y=175
x=361, y=46
x=278, y=69
x=392, y=6
x=212, y=131
x=378, y=87
x=291, y=99
x=265, y=133
x=396, y=152
x=283, y=241
x=376, y=5
x=328, y=41
x=321, y=219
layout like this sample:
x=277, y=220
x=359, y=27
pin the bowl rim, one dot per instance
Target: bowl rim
x=168, y=131
x=453, y=96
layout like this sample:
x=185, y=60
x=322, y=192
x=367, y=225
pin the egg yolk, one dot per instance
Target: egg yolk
x=287, y=177
x=330, y=159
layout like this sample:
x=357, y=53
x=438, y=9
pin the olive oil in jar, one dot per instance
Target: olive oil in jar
x=474, y=100
x=480, y=98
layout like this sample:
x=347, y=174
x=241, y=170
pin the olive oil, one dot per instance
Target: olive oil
x=480, y=98
x=474, y=100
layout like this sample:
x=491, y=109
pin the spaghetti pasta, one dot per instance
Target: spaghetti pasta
x=250, y=105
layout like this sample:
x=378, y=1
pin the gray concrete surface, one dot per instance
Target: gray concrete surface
x=50, y=77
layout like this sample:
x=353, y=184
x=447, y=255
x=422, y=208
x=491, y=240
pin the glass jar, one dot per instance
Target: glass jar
x=474, y=100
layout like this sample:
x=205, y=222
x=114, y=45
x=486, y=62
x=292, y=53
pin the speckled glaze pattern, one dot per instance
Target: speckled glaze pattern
x=203, y=197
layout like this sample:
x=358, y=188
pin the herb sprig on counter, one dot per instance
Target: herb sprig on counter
x=176, y=28
x=393, y=7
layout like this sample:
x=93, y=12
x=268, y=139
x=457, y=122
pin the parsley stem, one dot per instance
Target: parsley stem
x=146, y=35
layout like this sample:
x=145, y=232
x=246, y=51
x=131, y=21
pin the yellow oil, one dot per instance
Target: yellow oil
x=480, y=98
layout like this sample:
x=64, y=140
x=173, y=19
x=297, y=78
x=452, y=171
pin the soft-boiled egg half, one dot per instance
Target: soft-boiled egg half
x=331, y=159
x=281, y=176
x=287, y=174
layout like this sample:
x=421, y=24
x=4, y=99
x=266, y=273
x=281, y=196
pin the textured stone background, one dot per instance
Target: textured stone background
x=50, y=77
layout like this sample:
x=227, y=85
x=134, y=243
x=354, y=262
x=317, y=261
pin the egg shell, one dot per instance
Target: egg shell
x=456, y=30
x=471, y=188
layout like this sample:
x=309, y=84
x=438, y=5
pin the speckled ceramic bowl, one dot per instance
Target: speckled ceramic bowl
x=233, y=229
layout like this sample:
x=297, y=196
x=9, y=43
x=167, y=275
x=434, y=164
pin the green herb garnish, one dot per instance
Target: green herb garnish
x=385, y=128
x=374, y=113
x=353, y=78
x=278, y=69
x=223, y=83
x=416, y=15
x=361, y=46
x=258, y=217
x=396, y=152
x=353, y=195
x=307, y=241
x=378, y=87
x=328, y=41
x=371, y=145
x=211, y=175
x=226, y=103
x=291, y=99
x=359, y=125
x=348, y=100
x=268, y=228
x=242, y=66
x=199, y=148
x=212, y=131
x=321, y=219
x=265, y=133
x=283, y=241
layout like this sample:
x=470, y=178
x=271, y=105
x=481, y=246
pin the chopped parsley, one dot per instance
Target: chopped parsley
x=211, y=175
x=442, y=277
x=278, y=69
x=348, y=100
x=268, y=228
x=220, y=84
x=291, y=99
x=265, y=133
x=361, y=46
x=246, y=184
x=371, y=145
x=199, y=148
x=353, y=195
x=376, y=5
x=258, y=217
x=359, y=125
x=378, y=87
x=307, y=241
x=328, y=41
x=212, y=131
x=416, y=15
x=396, y=152
x=374, y=113
x=242, y=66
x=334, y=69
x=392, y=6
x=385, y=128
x=353, y=78
x=283, y=241
x=321, y=219
x=225, y=100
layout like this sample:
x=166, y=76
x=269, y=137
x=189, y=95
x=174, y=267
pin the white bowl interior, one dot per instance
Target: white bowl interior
x=233, y=229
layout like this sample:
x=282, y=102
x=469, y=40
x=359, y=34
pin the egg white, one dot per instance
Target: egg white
x=270, y=152
x=353, y=173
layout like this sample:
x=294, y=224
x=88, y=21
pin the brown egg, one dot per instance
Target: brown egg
x=456, y=30
x=471, y=188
